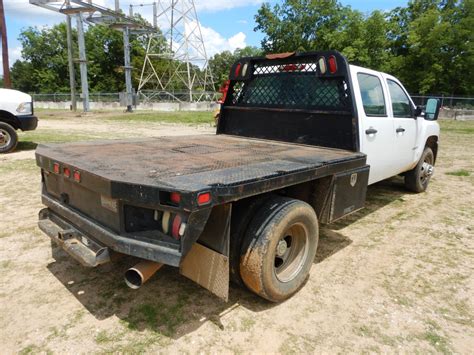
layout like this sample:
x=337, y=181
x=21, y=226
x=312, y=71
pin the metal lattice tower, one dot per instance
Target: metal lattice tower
x=179, y=62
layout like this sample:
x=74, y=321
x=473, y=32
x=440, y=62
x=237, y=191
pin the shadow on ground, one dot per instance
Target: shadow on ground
x=26, y=145
x=379, y=195
x=170, y=304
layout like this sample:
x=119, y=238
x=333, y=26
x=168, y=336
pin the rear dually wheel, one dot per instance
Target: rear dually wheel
x=280, y=246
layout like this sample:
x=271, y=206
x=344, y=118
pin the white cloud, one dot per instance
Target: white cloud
x=242, y=22
x=216, y=43
x=237, y=41
x=13, y=55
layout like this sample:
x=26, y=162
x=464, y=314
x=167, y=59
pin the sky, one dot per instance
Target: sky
x=225, y=24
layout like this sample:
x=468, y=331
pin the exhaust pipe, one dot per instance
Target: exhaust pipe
x=136, y=276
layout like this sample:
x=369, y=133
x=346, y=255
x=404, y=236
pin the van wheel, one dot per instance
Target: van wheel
x=281, y=243
x=417, y=179
x=8, y=138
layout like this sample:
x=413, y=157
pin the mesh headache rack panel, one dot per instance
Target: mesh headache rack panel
x=296, y=84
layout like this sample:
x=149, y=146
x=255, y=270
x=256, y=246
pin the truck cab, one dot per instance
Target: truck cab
x=16, y=113
x=392, y=131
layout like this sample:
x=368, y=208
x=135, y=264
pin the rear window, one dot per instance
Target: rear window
x=294, y=90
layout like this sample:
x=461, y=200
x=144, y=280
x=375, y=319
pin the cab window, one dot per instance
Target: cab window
x=401, y=105
x=372, y=95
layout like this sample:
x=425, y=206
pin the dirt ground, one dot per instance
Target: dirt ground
x=396, y=276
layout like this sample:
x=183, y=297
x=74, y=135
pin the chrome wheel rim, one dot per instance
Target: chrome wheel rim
x=5, y=138
x=291, y=252
x=427, y=169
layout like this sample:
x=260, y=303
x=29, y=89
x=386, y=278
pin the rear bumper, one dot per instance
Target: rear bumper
x=90, y=243
x=27, y=122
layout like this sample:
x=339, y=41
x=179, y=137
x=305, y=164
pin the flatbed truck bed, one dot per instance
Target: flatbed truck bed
x=244, y=204
x=228, y=165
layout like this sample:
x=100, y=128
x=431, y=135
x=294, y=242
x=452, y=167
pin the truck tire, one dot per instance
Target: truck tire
x=417, y=179
x=242, y=214
x=8, y=138
x=281, y=244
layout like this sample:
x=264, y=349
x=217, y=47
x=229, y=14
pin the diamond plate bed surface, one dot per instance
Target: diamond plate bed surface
x=192, y=161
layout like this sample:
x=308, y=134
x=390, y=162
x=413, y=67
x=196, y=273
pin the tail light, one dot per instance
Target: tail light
x=56, y=168
x=237, y=69
x=175, y=227
x=204, y=198
x=332, y=64
x=77, y=176
x=322, y=65
x=67, y=172
x=173, y=224
x=175, y=197
x=165, y=222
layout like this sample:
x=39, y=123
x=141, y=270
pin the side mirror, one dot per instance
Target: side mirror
x=432, y=109
x=418, y=111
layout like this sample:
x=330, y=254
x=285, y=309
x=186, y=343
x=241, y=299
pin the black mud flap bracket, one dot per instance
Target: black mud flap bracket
x=83, y=249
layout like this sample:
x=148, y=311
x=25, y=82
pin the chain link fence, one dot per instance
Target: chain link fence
x=141, y=97
x=452, y=102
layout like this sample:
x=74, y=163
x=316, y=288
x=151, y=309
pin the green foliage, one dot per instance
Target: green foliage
x=428, y=44
x=44, y=67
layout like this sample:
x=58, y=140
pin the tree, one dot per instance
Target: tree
x=44, y=66
x=45, y=60
x=428, y=44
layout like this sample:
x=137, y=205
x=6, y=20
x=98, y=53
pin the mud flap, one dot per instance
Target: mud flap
x=208, y=269
x=207, y=263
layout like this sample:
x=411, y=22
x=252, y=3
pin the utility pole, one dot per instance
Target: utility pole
x=3, y=34
x=127, y=68
x=83, y=62
x=126, y=65
x=70, y=58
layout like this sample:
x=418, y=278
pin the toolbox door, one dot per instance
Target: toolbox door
x=348, y=193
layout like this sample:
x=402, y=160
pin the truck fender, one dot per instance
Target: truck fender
x=427, y=136
x=9, y=118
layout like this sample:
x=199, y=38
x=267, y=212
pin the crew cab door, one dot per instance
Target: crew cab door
x=402, y=112
x=376, y=128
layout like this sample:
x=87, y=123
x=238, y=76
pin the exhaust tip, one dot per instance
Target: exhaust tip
x=133, y=278
x=136, y=276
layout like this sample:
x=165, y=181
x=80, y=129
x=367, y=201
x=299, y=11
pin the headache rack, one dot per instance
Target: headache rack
x=300, y=98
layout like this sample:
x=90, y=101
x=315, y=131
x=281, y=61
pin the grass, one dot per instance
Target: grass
x=183, y=117
x=23, y=165
x=159, y=317
x=179, y=117
x=462, y=127
x=55, y=136
x=460, y=172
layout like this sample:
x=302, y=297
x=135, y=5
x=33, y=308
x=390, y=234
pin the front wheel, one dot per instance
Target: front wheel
x=281, y=243
x=8, y=138
x=417, y=179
